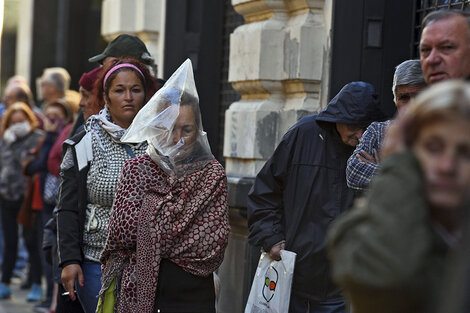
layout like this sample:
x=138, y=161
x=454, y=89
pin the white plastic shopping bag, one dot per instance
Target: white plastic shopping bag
x=270, y=291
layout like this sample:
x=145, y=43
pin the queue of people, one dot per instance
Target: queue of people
x=28, y=132
x=85, y=160
x=410, y=177
x=88, y=185
x=67, y=164
x=126, y=207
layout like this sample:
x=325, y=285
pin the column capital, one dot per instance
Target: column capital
x=258, y=10
x=279, y=63
x=131, y=16
x=142, y=18
x=295, y=6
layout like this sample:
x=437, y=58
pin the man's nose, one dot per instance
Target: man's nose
x=434, y=57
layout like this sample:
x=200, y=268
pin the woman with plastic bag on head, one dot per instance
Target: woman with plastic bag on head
x=90, y=170
x=169, y=224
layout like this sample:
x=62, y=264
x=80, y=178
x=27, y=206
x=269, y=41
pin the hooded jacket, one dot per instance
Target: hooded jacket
x=302, y=188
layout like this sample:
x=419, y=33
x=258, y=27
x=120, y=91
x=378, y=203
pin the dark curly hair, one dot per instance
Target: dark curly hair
x=100, y=91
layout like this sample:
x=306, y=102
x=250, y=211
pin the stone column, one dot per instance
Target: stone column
x=142, y=18
x=279, y=63
x=24, y=38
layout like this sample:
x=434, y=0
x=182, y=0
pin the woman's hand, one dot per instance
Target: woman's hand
x=70, y=273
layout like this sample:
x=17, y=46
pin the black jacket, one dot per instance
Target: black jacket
x=71, y=208
x=302, y=188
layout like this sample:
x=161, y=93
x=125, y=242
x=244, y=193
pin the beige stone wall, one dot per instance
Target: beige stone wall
x=279, y=62
x=143, y=18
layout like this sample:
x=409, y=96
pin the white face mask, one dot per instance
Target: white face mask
x=16, y=131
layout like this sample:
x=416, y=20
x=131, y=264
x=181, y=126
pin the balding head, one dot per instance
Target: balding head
x=55, y=81
x=17, y=92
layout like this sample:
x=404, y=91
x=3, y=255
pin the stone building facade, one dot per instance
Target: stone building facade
x=279, y=63
x=284, y=60
x=143, y=18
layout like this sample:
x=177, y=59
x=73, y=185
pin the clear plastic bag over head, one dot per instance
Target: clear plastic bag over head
x=171, y=124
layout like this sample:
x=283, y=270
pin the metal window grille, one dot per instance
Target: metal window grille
x=423, y=7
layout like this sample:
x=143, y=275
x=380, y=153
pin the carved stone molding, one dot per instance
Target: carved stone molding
x=279, y=63
x=258, y=10
x=142, y=18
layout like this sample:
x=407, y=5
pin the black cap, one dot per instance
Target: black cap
x=124, y=45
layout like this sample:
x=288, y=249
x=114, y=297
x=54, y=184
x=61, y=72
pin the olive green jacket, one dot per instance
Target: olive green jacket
x=385, y=252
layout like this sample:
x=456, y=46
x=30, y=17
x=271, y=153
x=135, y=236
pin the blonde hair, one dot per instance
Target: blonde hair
x=19, y=107
x=72, y=98
x=441, y=101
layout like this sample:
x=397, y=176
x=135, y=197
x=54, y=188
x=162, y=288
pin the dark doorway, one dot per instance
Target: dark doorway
x=66, y=33
x=370, y=38
x=194, y=30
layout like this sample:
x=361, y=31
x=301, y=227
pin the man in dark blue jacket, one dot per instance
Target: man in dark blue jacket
x=302, y=188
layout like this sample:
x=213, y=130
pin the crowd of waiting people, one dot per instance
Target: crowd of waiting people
x=30, y=159
x=117, y=192
x=374, y=210
x=60, y=169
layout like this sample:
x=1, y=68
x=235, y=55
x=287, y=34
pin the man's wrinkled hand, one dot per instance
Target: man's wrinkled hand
x=275, y=252
x=363, y=156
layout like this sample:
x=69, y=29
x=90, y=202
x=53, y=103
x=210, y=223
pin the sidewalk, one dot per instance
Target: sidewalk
x=17, y=303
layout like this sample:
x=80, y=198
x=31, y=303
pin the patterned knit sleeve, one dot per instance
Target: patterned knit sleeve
x=122, y=228
x=67, y=160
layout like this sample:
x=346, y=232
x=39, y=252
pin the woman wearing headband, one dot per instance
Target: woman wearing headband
x=90, y=170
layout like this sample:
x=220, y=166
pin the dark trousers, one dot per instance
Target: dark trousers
x=65, y=305
x=9, y=211
x=46, y=267
x=33, y=240
x=302, y=305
